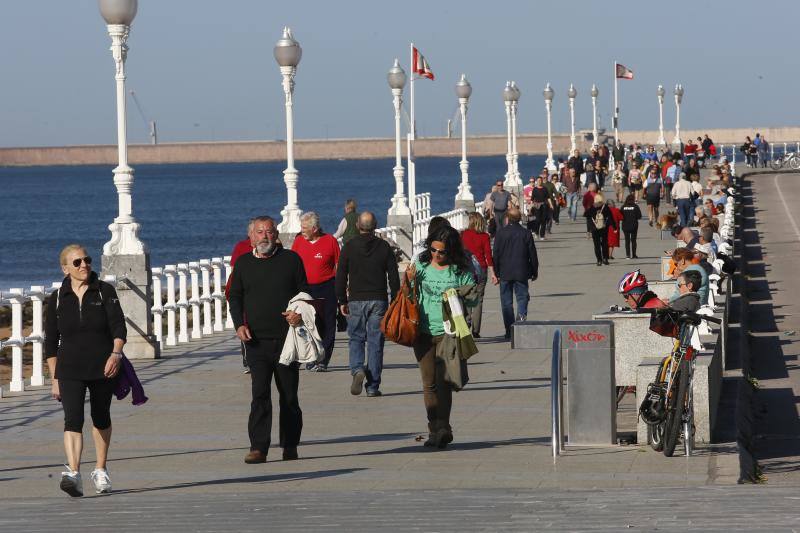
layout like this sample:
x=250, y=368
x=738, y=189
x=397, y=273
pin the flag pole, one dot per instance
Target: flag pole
x=616, y=105
x=412, y=170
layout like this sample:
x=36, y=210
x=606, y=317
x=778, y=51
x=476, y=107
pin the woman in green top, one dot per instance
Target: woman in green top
x=441, y=266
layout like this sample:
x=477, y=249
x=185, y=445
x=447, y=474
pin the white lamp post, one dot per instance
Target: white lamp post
x=595, y=92
x=464, y=198
x=508, y=98
x=660, y=93
x=287, y=53
x=548, y=104
x=572, y=93
x=125, y=256
x=515, y=181
x=399, y=213
x=676, y=142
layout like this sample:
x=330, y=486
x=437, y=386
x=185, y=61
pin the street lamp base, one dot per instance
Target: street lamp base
x=124, y=239
x=135, y=293
x=290, y=225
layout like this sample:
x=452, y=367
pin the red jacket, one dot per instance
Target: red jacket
x=588, y=200
x=241, y=248
x=319, y=258
x=478, y=245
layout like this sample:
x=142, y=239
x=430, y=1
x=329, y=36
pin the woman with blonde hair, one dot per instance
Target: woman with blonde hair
x=476, y=242
x=600, y=219
x=85, y=332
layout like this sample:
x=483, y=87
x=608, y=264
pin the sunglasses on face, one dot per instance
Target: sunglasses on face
x=437, y=251
x=77, y=262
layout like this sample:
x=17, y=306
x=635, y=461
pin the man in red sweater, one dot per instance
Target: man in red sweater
x=320, y=254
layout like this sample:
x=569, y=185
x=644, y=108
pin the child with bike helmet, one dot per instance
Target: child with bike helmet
x=633, y=288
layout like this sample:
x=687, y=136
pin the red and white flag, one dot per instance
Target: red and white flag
x=420, y=65
x=624, y=72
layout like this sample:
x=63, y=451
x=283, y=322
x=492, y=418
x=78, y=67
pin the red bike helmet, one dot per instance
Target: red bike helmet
x=631, y=281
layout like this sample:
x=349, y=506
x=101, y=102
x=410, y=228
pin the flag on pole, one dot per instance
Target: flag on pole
x=623, y=72
x=420, y=65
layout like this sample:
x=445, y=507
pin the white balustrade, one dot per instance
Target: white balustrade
x=422, y=206
x=218, y=295
x=228, y=272
x=205, y=298
x=158, y=308
x=171, y=306
x=183, y=304
x=194, y=301
x=16, y=299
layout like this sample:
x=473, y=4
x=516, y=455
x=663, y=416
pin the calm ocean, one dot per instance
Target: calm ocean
x=194, y=211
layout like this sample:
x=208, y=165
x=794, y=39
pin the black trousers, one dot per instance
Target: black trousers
x=327, y=292
x=73, y=398
x=262, y=357
x=630, y=241
x=600, y=238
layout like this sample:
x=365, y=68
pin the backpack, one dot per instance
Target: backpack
x=599, y=219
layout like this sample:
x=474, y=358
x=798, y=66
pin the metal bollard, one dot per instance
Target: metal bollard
x=556, y=395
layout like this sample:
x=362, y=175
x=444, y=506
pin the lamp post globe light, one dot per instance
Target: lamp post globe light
x=548, y=105
x=572, y=93
x=660, y=94
x=464, y=197
x=515, y=176
x=678, y=92
x=594, y=93
x=508, y=98
x=399, y=212
x=125, y=256
x=287, y=53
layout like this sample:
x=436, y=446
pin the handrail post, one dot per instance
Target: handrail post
x=37, y=296
x=218, y=295
x=556, y=393
x=170, y=306
x=182, y=304
x=158, y=306
x=228, y=271
x=194, y=300
x=17, y=298
x=205, y=295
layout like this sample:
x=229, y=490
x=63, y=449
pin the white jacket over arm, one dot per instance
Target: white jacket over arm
x=303, y=343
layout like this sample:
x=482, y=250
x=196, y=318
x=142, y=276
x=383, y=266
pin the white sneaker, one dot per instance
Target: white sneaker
x=102, y=483
x=71, y=482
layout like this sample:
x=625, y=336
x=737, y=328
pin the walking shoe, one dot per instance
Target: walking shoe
x=246, y=370
x=320, y=368
x=605, y=261
x=255, y=457
x=635, y=256
x=102, y=483
x=374, y=393
x=290, y=453
x=358, y=382
x=71, y=482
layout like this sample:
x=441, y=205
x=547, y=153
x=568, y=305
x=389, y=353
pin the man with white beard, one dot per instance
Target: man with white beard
x=262, y=284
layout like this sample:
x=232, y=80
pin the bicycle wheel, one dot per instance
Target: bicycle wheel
x=794, y=163
x=675, y=405
x=776, y=163
x=655, y=436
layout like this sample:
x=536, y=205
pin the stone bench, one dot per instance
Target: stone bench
x=706, y=390
x=633, y=341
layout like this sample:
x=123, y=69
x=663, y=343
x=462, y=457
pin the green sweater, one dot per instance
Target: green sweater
x=431, y=283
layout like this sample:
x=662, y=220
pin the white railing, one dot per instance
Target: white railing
x=458, y=219
x=16, y=299
x=422, y=206
x=194, y=293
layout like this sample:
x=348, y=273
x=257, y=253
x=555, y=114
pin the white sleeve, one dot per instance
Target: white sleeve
x=341, y=229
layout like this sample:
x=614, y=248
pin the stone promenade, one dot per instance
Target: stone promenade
x=176, y=462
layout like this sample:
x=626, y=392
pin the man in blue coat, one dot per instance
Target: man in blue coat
x=515, y=262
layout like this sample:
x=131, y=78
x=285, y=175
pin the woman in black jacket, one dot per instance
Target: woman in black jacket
x=85, y=332
x=599, y=219
x=630, y=225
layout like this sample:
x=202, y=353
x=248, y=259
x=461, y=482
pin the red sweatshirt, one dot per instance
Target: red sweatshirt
x=319, y=257
x=478, y=245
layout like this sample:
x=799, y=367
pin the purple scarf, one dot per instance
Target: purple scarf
x=127, y=382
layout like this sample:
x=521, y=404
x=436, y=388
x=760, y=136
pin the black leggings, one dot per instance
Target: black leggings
x=600, y=238
x=630, y=241
x=73, y=396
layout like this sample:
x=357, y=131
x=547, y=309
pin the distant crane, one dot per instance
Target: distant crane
x=149, y=124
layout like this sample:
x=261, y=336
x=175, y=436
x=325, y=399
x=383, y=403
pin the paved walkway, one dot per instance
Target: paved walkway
x=180, y=455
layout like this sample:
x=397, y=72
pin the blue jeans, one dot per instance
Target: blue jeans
x=572, y=205
x=364, y=326
x=684, y=206
x=509, y=290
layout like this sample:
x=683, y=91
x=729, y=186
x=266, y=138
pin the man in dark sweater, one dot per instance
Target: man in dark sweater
x=365, y=265
x=262, y=284
x=515, y=262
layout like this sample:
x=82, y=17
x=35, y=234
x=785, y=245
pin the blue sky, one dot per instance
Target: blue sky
x=204, y=69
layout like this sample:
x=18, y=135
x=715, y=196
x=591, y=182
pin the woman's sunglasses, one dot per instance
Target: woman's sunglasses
x=437, y=251
x=77, y=262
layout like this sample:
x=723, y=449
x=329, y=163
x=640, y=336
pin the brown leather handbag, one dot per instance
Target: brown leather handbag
x=400, y=324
